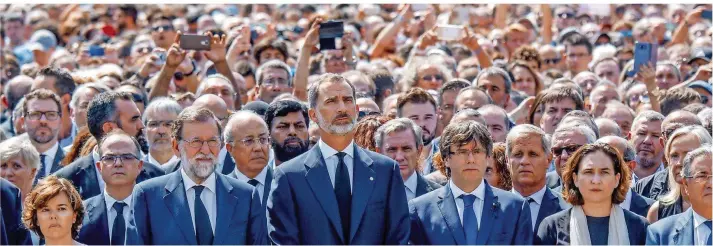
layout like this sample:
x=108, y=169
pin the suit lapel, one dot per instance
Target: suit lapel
x=318, y=179
x=98, y=216
x=363, y=186
x=226, y=204
x=637, y=203
x=487, y=215
x=57, y=160
x=228, y=164
x=88, y=171
x=683, y=229
x=449, y=211
x=177, y=204
x=421, y=186
x=550, y=202
x=268, y=185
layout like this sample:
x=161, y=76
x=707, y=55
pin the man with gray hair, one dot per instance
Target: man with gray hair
x=158, y=118
x=565, y=141
x=14, y=90
x=608, y=127
x=645, y=136
x=633, y=202
x=273, y=78
x=400, y=139
x=471, y=97
x=604, y=92
x=497, y=121
x=496, y=82
x=80, y=103
x=527, y=149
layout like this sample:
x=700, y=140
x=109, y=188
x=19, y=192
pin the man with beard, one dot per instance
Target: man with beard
x=59, y=81
x=158, y=118
x=107, y=111
x=645, y=136
x=419, y=106
x=342, y=193
x=197, y=205
x=217, y=106
x=248, y=142
x=41, y=119
x=288, y=123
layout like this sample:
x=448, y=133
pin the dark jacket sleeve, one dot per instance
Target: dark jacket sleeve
x=257, y=228
x=141, y=234
x=398, y=227
x=417, y=236
x=546, y=233
x=282, y=225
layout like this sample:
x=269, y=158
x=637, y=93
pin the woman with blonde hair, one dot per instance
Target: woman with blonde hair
x=19, y=161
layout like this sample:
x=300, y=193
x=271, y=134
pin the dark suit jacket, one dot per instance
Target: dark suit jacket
x=673, y=230
x=83, y=174
x=639, y=204
x=302, y=208
x=505, y=219
x=552, y=203
x=162, y=215
x=553, y=180
x=55, y=163
x=653, y=186
x=424, y=185
x=172, y=166
x=268, y=184
x=95, y=227
x=11, y=204
x=554, y=230
x=7, y=127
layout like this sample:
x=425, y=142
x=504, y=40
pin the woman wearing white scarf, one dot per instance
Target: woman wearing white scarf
x=595, y=181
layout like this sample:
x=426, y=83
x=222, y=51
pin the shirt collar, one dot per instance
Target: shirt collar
x=697, y=219
x=154, y=161
x=537, y=196
x=412, y=182
x=110, y=200
x=53, y=150
x=260, y=176
x=188, y=183
x=479, y=191
x=328, y=151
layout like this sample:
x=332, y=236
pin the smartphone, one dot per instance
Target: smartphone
x=706, y=15
x=644, y=53
x=449, y=32
x=419, y=7
x=96, y=50
x=195, y=42
x=328, y=32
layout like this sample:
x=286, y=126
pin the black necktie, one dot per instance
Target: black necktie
x=342, y=189
x=41, y=171
x=204, y=231
x=118, y=231
x=253, y=182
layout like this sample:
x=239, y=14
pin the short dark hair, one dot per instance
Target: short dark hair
x=118, y=132
x=578, y=40
x=129, y=10
x=102, y=109
x=64, y=83
x=571, y=193
x=313, y=91
x=193, y=114
x=462, y=133
x=555, y=95
x=414, y=95
x=279, y=45
x=453, y=85
x=675, y=99
x=383, y=81
x=283, y=107
x=41, y=94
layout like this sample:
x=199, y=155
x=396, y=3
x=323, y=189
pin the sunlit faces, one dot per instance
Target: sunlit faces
x=79, y=112
x=698, y=184
x=524, y=80
x=198, y=147
x=596, y=178
x=680, y=146
x=528, y=160
x=467, y=162
x=554, y=112
x=429, y=77
x=578, y=58
x=424, y=115
x=646, y=138
x=158, y=130
x=495, y=87
x=666, y=77
x=289, y=135
x=42, y=120
x=119, y=165
x=250, y=147
x=401, y=147
x=564, y=144
x=56, y=218
x=18, y=172
x=275, y=81
x=336, y=110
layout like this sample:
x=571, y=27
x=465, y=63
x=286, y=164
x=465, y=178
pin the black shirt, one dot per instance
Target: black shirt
x=598, y=230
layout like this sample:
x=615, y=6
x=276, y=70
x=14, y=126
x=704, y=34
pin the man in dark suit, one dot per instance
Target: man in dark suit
x=400, y=139
x=248, y=142
x=288, y=123
x=468, y=210
x=109, y=215
x=41, y=119
x=565, y=141
x=528, y=154
x=196, y=204
x=692, y=227
x=337, y=192
x=11, y=206
x=107, y=111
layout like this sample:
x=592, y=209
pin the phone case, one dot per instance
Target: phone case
x=195, y=42
x=642, y=55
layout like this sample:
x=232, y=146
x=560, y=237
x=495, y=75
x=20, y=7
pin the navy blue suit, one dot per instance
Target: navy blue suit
x=83, y=174
x=639, y=204
x=162, y=215
x=554, y=230
x=302, y=208
x=11, y=204
x=673, y=230
x=268, y=183
x=505, y=219
x=95, y=227
x=424, y=185
x=56, y=163
x=552, y=203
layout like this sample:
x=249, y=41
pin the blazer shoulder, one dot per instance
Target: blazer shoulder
x=154, y=183
x=69, y=170
x=294, y=165
x=379, y=158
x=635, y=219
x=507, y=197
x=432, y=183
x=153, y=169
x=665, y=225
x=241, y=187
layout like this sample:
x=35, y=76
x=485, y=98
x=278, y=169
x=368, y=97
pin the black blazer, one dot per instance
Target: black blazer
x=552, y=203
x=424, y=185
x=83, y=174
x=228, y=166
x=12, y=227
x=554, y=230
x=653, y=186
x=56, y=162
x=639, y=204
x=268, y=183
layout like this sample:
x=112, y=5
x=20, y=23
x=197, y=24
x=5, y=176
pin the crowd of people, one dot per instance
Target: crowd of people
x=505, y=124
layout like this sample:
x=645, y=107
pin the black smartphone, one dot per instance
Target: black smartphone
x=96, y=50
x=195, y=42
x=328, y=32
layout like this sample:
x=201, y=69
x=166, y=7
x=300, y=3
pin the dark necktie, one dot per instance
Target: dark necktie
x=118, y=231
x=470, y=220
x=41, y=171
x=342, y=189
x=253, y=182
x=530, y=201
x=204, y=231
x=708, y=224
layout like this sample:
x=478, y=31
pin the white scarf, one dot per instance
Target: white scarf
x=579, y=232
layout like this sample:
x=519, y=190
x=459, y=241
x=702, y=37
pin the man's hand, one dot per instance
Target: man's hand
x=175, y=54
x=217, y=48
x=312, y=38
x=428, y=38
x=647, y=75
x=241, y=44
x=347, y=45
x=470, y=40
x=695, y=16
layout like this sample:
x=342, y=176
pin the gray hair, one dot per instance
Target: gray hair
x=602, y=122
x=276, y=64
x=706, y=116
x=580, y=116
x=236, y=117
x=629, y=153
x=469, y=112
x=606, y=83
x=163, y=105
x=647, y=116
x=21, y=147
x=313, y=92
x=398, y=125
x=498, y=109
x=693, y=155
x=217, y=77
x=585, y=131
x=98, y=87
x=528, y=129
x=496, y=71
x=673, y=66
x=19, y=109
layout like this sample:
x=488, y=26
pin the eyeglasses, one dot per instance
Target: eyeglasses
x=112, y=159
x=163, y=28
x=276, y=81
x=158, y=123
x=463, y=153
x=552, y=61
x=197, y=143
x=700, y=177
x=431, y=77
x=37, y=115
x=570, y=149
x=250, y=141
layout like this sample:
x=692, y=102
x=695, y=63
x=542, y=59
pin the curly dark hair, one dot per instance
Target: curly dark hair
x=46, y=189
x=571, y=193
x=526, y=54
x=365, y=130
x=462, y=133
x=501, y=166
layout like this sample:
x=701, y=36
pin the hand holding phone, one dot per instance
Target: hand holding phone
x=449, y=32
x=328, y=32
x=195, y=42
x=644, y=53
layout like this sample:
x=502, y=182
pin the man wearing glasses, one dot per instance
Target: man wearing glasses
x=273, y=78
x=248, y=141
x=41, y=120
x=158, y=118
x=162, y=32
x=565, y=141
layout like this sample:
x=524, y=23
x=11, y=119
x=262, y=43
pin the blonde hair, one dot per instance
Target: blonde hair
x=674, y=188
x=20, y=147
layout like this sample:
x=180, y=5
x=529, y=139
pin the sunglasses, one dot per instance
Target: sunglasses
x=164, y=28
x=570, y=149
x=566, y=15
x=552, y=61
x=431, y=77
x=363, y=114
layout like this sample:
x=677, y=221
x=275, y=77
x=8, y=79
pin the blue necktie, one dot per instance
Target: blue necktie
x=470, y=220
x=708, y=224
x=118, y=231
x=342, y=189
x=204, y=231
x=41, y=171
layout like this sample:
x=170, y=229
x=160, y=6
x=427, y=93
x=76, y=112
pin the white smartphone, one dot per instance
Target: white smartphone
x=449, y=32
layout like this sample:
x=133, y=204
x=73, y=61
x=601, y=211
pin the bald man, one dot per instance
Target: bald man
x=13, y=91
x=608, y=127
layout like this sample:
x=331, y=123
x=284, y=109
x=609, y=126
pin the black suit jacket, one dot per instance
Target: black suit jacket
x=653, y=186
x=95, y=227
x=424, y=185
x=228, y=166
x=554, y=230
x=83, y=174
x=552, y=203
x=639, y=204
x=56, y=162
x=11, y=204
x=268, y=184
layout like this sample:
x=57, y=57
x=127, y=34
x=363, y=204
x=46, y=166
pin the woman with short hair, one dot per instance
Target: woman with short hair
x=19, y=163
x=54, y=212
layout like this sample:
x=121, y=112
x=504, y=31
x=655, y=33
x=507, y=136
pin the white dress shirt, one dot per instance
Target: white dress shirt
x=208, y=197
x=260, y=179
x=411, y=183
x=479, y=193
x=112, y=212
x=154, y=161
x=701, y=232
x=534, y=206
x=626, y=204
x=331, y=160
x=95, y=159
x=49, y=159
x=221, y=159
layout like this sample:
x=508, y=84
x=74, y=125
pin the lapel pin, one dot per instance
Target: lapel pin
x=371, y=178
